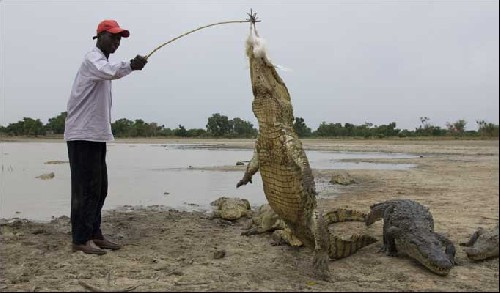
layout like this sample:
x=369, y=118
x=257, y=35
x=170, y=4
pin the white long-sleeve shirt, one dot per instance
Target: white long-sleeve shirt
x=89, y=105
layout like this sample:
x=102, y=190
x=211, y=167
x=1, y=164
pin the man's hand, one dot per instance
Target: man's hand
x=138, y=62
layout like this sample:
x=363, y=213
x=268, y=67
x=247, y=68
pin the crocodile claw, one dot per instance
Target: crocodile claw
x=243, y=181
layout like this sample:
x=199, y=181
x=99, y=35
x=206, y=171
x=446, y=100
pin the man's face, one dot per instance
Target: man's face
x=109, y=42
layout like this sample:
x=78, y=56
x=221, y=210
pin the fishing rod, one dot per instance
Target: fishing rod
x=252, y=19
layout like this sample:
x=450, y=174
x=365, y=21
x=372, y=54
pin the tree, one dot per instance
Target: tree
x=301, y=128
x=155, y=129
x=141, y=128
x=165, y=131
x=349, y=129
x=56, y=124
x=122, y=127
x=329, y=129
x=427, y=129
x=27, y=126
x=457, y=128
x=487, y=129
x=242, y=128
x=388, y=130
x=181, y=131
x=424, y=120
x=33, y=127
x=196, y=132
x=365, y=130
x=15, y=128
x=218, y=125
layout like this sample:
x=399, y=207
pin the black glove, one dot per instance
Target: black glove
x=138, y=62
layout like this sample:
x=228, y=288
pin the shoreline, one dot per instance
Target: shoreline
x=408, y=145
x=172, y=250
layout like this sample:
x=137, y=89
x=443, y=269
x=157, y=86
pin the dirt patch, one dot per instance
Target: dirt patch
x=169, y=250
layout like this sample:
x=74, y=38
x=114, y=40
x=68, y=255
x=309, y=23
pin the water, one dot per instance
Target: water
x=143, y=174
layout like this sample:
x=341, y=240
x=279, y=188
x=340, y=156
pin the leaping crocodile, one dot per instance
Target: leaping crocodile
x=409, y=229
x=286, y=175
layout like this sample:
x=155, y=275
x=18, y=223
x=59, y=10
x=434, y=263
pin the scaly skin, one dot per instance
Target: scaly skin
x=483, y=244
x=278, y=155
x=229, y=208
x=266, y=220
x=340, y=248
x=409, y=229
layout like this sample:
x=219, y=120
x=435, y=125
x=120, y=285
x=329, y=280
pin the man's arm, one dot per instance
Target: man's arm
x=100, y=68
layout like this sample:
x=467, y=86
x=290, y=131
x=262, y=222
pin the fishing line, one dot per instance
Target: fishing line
x=252, y=19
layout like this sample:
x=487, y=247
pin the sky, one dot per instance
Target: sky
x=349, y=61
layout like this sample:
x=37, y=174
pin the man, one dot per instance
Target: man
x=87, y=129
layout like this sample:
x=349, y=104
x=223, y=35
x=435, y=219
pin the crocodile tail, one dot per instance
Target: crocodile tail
x=340, y=248
x=344, y=215
x=320, y=260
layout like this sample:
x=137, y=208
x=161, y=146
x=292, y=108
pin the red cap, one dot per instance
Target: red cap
x=112, y=26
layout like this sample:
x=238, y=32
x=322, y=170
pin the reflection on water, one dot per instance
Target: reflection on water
x=142, y=174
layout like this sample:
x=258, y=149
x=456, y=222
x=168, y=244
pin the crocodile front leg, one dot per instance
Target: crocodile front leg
x=388, y=233
x=390, y=240
x=449, y=247
x=252, y=168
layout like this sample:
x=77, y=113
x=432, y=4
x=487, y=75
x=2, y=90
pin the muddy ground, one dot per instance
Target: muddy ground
x=169, y=250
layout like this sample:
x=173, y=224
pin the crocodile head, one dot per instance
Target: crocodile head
x=486, y=246
x=428, y=250
x=272, y=103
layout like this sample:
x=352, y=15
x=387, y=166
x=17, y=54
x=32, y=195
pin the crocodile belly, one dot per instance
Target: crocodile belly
x=283, y=187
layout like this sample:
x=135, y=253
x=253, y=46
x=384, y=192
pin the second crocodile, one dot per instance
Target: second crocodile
x=409, y=229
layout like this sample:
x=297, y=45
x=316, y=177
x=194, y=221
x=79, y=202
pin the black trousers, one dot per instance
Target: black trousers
x=89, y=188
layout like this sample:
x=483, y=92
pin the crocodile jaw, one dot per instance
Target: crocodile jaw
x=476, y=254
x=431, y=255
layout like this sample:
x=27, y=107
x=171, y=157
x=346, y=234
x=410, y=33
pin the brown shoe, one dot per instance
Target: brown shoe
x=88, y=249
x=106, y=244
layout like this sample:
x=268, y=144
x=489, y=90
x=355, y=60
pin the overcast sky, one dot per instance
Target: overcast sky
x=350, y=61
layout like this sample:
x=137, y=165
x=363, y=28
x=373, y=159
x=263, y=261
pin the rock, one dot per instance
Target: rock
x=342, y=179
x=218, y=254
x=39, y=231
x=56, y=162
x=46, y=176
x=231, y=208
